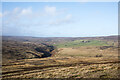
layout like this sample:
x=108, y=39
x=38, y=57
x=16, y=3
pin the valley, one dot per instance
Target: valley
x=60, y=57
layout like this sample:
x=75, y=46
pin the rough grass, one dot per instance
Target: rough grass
x=62, y=68
x=78, y=43
x=85, y=51
x=78, y=62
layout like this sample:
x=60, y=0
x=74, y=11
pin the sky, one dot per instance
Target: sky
x=59, y=19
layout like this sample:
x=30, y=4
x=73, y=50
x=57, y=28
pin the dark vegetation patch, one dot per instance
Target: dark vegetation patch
x=106, y=47
x=47, y=50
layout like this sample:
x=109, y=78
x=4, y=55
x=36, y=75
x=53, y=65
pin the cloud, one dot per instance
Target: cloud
x=5, y=13
x=15, y=16
x=0, y=14
x=16, y=10
x=68, y=17
x=25, y=21
x=26, y=11
x=50, y=10
x=64, y=20
x=26, y=17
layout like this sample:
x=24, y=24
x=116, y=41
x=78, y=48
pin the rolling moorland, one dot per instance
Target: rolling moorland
x=60, y=57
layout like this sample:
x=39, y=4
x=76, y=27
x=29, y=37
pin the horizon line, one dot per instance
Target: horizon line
x=56, y=36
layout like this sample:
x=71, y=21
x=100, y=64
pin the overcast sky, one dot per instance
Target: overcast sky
x=59, y=19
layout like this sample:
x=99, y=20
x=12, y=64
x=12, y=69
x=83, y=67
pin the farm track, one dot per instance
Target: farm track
x=18, y=72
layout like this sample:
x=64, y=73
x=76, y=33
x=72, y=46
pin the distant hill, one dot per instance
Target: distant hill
x=15, y=47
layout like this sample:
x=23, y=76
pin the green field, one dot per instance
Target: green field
x=78, y=43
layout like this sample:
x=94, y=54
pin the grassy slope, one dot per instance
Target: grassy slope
x=79, y=62
x=78, y=43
